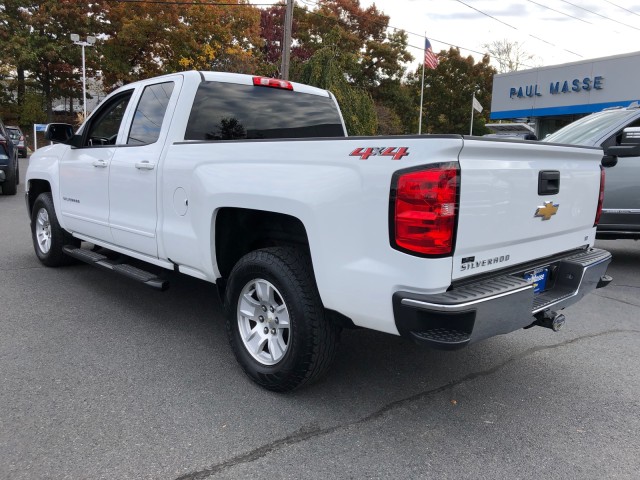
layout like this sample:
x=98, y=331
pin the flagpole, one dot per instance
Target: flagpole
x=422, y=88
x=472, y=109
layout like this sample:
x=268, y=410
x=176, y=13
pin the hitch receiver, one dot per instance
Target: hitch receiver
x=550, y=319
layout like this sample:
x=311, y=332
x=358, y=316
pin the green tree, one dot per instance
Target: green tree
x=38, y=48
x=325, y=70
x=32, y=110
x=448, y=92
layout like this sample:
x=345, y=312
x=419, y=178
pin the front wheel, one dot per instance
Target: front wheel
x=47, y=234
x=276, y=322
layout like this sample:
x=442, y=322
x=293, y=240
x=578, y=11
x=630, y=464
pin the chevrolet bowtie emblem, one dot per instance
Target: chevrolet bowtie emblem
x=547, y=210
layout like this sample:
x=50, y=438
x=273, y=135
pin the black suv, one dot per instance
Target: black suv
x=9, y=169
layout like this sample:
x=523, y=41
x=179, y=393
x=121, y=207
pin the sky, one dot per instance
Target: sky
x=560, y=37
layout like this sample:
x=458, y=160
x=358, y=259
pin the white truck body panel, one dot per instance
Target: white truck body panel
x=499, y=198
x=166, y=215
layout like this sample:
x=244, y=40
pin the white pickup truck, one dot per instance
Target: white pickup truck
x=251, y=184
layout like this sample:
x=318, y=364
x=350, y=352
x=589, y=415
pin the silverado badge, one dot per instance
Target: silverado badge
x=547, y=210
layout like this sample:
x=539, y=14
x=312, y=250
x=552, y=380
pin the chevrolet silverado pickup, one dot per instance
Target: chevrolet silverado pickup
x=252, y=184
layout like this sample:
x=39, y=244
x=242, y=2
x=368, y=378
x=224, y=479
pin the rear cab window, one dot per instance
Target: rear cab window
x=229, y=111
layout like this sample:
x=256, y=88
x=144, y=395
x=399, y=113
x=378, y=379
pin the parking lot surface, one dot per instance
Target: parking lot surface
x=105, y=378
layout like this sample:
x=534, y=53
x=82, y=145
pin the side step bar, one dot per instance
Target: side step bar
x=134, y=273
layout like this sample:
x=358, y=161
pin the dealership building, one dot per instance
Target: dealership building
x=549, y=98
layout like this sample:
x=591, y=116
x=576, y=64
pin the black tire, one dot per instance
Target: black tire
x=10, y=184
x=312, y=338
x=18, y=170
x=53, y=256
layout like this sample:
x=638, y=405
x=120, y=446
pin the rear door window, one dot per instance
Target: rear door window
x=228, y=111
x=147, y=121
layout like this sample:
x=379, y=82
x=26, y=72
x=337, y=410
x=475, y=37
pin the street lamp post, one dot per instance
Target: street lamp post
x=75, y=38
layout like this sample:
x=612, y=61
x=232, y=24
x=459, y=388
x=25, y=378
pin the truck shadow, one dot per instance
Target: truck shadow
x=374, y=367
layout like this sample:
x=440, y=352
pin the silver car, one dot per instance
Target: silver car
x=621, y=208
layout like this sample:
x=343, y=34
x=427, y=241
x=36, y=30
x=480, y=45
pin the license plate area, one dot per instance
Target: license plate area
x=539, y=278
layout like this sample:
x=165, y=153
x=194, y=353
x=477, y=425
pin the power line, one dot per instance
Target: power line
x=515, y=28
x=486, y=14
x=625, y=9
x=599, y=15
x=335, y=19
x=560, y=12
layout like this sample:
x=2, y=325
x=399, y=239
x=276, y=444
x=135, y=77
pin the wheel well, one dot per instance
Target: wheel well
x=36, y=187
x=239, y=231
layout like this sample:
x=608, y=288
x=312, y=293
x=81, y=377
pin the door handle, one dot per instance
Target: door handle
x=100, y=163
x=145, y=165
x=548, y=182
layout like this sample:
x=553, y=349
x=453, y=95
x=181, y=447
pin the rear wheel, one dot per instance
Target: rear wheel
x=47, y=234
x=275, y=320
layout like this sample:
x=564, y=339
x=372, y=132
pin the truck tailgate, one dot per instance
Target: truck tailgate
x=509, y=210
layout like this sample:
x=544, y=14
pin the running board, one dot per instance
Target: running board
x=134, y=273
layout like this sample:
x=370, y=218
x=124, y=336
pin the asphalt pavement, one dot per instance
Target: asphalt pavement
x=104, y=378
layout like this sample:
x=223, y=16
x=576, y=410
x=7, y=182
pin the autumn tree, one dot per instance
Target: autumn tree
x=147, y=39
x=272, y=33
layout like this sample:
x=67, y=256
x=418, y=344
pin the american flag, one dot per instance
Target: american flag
x=430, y=58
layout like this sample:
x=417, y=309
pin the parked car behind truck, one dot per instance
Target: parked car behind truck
x=9, y=165
x=251, y=183
x=606, y=129
x=19, y=140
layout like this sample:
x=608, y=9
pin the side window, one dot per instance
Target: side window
x=147, y=120
x=103, y=129
x=617, y=138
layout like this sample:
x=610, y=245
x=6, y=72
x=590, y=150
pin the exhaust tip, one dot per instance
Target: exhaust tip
x=557, y=322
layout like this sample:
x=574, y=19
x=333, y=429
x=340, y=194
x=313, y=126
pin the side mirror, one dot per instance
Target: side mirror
x=59, y=132
x=629, y=147
x=631, y=136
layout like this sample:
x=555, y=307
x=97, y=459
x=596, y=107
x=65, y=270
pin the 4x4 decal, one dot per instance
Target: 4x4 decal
x=396, y=153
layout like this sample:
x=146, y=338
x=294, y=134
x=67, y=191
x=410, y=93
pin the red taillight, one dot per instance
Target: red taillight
x=425, y=209
x=272, y=82
x=600, y=197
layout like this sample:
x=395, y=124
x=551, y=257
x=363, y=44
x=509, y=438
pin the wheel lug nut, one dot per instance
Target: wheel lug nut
x=273, y=331
x=272, y=309
x=277, y=320
x=264, y=308
x=266, y=330
x=261, y=318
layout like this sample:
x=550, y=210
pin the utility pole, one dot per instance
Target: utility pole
x=286, y=42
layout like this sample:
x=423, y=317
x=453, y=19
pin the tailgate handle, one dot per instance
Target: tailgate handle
x=548, y=182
